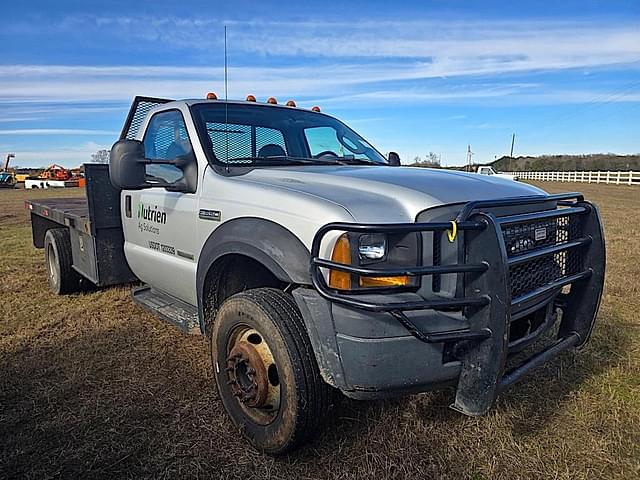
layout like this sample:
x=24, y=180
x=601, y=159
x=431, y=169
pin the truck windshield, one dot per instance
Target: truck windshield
x=249, y=134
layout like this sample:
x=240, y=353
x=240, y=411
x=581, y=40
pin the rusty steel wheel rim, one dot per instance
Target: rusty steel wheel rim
x=252, y=375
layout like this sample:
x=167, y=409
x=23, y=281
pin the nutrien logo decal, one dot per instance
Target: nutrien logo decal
x=150, y=217
x=152, y=214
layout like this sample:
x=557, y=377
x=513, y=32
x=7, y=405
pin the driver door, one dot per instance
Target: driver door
x=160, y=225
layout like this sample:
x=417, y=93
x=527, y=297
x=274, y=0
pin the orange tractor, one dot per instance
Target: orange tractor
x=55, y=172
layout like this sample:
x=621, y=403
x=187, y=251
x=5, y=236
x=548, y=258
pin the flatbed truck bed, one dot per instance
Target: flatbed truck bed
x=66, y=211
x=95, y=228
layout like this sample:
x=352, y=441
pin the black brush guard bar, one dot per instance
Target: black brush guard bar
x=486, y=302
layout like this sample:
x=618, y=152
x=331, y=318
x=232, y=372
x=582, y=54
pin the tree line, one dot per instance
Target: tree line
x=596, y=161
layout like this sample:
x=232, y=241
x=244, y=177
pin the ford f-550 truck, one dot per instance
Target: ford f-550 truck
x=314, y=264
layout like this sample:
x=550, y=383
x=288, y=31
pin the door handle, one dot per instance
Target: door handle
x=127, y=206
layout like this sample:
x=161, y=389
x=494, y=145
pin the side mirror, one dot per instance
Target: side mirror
x=189, y=166
x=127, y=165
x=394, y=159
x=128, y=168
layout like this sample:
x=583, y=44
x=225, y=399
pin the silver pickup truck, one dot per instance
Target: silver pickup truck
x=314, y=264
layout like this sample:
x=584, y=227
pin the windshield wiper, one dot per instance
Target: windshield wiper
x=357, y=161
x=277, y=160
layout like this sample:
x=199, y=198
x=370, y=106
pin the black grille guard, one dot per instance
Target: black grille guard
x=486, y=303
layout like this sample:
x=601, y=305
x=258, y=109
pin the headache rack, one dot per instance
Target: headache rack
x=506, y=264
x=137, y=113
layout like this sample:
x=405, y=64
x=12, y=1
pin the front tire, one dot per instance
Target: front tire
x=63, y=278
x=266, y=371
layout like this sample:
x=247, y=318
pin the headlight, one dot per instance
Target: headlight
x=387, y=251
x=372, y=248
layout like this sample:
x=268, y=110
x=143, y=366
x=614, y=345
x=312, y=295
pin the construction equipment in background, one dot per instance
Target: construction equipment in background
x=53, y=176
x=55, y=172
x=7, y=178
x=78, y=174
x=21, y=175
x=6, y=163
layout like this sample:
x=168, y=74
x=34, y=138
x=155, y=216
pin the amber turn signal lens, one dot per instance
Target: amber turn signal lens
x=315, y=108
x=291, y=103
x=401, y=281
x=251, y=98
x=211, y=96
x=272, y=100
x=341, y=254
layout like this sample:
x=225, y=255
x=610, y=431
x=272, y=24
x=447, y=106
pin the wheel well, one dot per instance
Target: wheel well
x=231, y=274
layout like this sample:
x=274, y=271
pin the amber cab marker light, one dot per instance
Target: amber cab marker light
x=291, y=103
x=211, y=96
x=251, y=98
x=341, y=254
x=315, y=108
x=272, y=100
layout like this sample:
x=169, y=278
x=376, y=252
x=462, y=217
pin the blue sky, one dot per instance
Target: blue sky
x=413, y=77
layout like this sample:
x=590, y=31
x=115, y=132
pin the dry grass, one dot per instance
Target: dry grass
x=92, y=386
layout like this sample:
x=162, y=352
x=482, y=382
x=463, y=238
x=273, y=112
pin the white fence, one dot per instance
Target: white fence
x=617, y=177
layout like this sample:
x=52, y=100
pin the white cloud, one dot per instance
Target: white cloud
x=457, y=49
x=350, y=84
x=322, y=58
x=30, y=112
x=502, y=94
x=16, y=118
x=325, y=59
x=56, y=131
x=543, y=42
x=450, y=47
x=69, y=156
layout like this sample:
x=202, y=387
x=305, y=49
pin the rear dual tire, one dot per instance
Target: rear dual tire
x=265, y=370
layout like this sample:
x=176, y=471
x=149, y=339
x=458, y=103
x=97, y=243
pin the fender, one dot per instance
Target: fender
x=267, y=242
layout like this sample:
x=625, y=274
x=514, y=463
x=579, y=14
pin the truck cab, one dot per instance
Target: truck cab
x=232, y=151
x=487, y=170
x=315, y=265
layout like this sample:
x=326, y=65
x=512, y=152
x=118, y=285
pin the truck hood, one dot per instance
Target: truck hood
x=389, y=194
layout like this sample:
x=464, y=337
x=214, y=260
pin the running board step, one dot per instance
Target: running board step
x=170, y=309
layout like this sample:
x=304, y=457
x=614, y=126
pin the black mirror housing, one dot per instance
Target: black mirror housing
x=394, y=159
x=189, y=166
x=127, y=165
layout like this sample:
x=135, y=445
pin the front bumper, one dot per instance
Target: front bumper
x=376, y=345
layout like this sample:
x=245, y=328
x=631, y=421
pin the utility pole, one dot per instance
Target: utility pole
x=513, y=140
x=469, y=156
